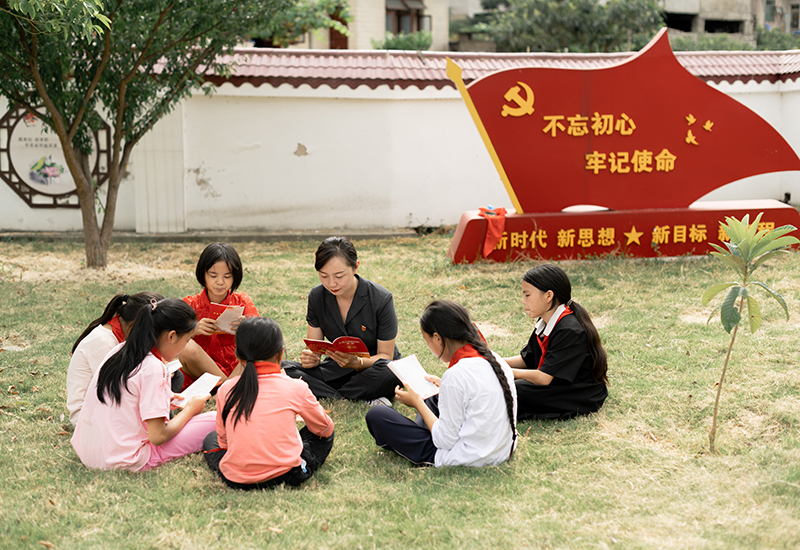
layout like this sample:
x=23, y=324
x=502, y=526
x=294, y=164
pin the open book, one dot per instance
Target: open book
x=201, y=386
x=343, y=344
x=225, y=315
x=411, y=374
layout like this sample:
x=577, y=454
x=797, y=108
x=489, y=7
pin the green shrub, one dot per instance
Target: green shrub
x=708, y=42
x=420, y=40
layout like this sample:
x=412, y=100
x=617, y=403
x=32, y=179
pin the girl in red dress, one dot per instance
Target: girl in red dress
x=219, y=272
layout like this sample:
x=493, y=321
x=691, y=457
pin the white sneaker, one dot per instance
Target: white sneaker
x=379, y=401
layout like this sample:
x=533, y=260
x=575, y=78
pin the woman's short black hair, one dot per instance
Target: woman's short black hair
x=336, y=247
x=214, y=253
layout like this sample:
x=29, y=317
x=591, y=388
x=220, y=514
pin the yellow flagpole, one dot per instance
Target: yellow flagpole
x=454, y=74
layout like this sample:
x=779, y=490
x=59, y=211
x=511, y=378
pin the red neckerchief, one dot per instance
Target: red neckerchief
x=480, y=334
x=157, y=353
x=265, y=367
x=543, y=339
x=466, y=351
x=208, y=301
x=116, y=328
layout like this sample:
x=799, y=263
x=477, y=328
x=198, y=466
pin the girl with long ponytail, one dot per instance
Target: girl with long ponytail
x=99, y=338
x=256, y=444
x=124, y=421
x=472, y=421
x=561, y=373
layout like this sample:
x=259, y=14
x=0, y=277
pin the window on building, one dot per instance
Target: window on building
x=794, y=20
x=337, y=40
x=406, y=16
x=716, y=25
x=680, y=21
x=769, y=11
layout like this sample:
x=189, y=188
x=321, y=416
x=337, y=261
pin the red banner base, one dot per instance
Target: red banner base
x=631, y=233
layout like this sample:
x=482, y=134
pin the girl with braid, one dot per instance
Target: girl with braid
x=561, y=373
x=256, y=444
x=472, y=422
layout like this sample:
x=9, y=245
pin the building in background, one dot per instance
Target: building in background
x=372, y=19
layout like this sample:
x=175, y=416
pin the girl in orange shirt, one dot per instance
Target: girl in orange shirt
x=256, y=444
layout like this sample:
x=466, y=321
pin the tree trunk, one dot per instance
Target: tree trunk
x=96, y=253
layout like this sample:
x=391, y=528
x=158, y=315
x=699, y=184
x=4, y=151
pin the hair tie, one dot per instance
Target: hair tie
x=125, y=298
x=569, y=302
x=153, y=304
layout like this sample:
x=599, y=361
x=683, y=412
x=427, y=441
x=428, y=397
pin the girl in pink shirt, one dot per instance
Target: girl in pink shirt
x=256, y=444
x=123, y=423
x=100, y=337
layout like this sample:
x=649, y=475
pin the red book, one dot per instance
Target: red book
x=343, y=344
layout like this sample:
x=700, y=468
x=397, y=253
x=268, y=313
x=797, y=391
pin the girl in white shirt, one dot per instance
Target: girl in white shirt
x=99, y=338
x=472, y=422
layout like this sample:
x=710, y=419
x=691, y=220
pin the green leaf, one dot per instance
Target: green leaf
x=775, y=295
x=728, y=260
x=745, y=245
x=716, y=310
x=752, y=229
x=753, y=314
x=719, y=249
x=764, y=257
x=710, y=292
x=729, y=314
x=780, y=242
x=735, y=228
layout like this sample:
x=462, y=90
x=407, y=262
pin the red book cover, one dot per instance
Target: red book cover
x=343, y=344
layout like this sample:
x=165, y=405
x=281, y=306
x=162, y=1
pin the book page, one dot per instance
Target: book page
x=201, y=386
x=225, y=318
x=411, y=373
x=173, y=366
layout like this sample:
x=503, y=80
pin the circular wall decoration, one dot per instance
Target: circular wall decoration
x=32, y=161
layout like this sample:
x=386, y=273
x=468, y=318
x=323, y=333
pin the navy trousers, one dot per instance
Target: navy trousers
x=375, y=381
x=410, y=439
x=315, y=450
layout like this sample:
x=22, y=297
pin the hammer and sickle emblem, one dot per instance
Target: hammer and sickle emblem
x=524, y=106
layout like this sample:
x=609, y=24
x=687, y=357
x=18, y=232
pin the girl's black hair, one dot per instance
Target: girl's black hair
x=551, y=277
x=451, y=321
x=123, y=305
x=257, y=339
x=214, y=253
x=334, y=247
x=169, y=314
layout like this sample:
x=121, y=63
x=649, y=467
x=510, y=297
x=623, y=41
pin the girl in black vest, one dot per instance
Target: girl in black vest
x=561, y=373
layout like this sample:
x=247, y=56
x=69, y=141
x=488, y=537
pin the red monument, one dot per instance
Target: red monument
x=626, y=150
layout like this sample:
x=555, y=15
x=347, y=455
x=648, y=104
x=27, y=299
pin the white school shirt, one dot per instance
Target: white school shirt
x=473, y=427
x=84, y=363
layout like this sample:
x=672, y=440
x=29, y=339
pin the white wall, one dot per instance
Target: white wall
x=365, y=159
x=373, y=159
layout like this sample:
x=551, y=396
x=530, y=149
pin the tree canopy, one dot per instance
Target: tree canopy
x=63, y=67
x=304, y=16
x=571, y=25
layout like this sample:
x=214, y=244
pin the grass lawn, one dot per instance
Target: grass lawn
x=636, y=475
